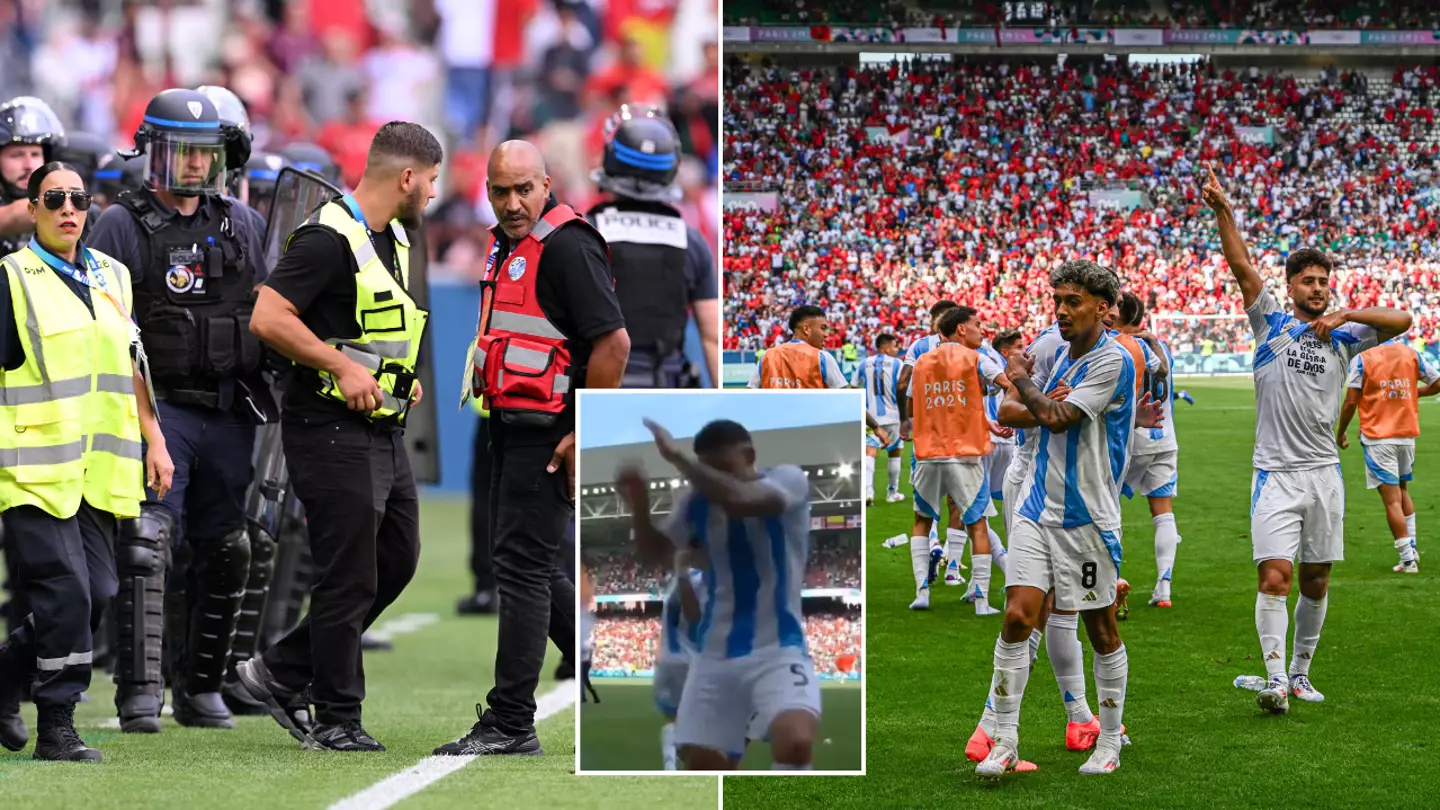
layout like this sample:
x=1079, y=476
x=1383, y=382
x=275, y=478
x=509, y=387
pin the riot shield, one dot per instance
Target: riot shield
x=421, y=433
x=298, y=194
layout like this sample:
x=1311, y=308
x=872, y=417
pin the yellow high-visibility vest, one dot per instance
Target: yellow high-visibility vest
x=69, y=422
x=391, y=325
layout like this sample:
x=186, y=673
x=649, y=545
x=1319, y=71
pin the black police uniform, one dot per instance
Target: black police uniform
x=193, y=279
x=660, y=264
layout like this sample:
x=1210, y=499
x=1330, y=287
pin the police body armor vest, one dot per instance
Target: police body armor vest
x=69, y=422
x=520, y=362
x=10, y=244
x=647, y=243
x=194, y=300
x=391, y=324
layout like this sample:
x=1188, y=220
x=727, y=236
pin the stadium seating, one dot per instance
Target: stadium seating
x=626, y=645
x=900, y=187
x=619, y=573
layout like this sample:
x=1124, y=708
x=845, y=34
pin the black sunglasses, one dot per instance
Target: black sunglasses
x=55, y=199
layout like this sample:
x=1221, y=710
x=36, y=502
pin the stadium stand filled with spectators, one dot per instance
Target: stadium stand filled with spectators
x=900, y=185
x=626, y=645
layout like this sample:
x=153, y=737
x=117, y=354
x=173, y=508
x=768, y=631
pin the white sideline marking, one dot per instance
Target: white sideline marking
x=385, y=631
x=398, y=787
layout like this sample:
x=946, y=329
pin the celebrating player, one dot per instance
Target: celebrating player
x=879, y=375
x=803, y=361
x=1384, y=384
x=1153, y=468
x=952, y=437
x=1297, y=501
x=1066, y=535
x=754, y=528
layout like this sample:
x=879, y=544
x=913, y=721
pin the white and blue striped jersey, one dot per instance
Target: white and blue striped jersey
x=679, y=638
x=755, y=568
x=920, y=347
x=994, y=394
x=879, y=375
x=1076, y=475
x=1046, y=348
x=1159, y=439
x=1299, y=382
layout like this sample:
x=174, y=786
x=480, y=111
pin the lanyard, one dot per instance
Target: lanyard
x=93, y=279
x=359, y=215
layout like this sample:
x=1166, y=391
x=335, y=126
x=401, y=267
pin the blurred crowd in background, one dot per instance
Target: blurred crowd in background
x=625, y=645
x=1243, y=14
x=331, y=72
x=904, y=183
x=833, y=563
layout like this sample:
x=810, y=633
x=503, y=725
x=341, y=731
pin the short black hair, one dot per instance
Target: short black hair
x=404, y=141
x=884, y=340
x=1132, y=309
x=1307, y=257
x=803, y=313
x=954, y=318
x=940, y=306
x=720, y=434
x=1099, y=281
x=1005, y=340
x=32, y=190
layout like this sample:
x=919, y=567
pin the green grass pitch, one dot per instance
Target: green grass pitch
x=419, y=695
x=622, y=732
x=1198, y=741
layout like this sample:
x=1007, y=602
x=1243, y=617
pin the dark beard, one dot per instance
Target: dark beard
x=1305, y=307
x=411, y=214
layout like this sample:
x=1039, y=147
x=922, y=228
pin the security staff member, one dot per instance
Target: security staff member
x=662, y=268
x=29, y=131
x=482, y=568
x=339, y=306
x=549, y=323
x=193, y=258
x=72, y=409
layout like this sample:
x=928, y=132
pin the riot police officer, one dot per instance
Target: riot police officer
x=236, y=121
x=192, y=253
x=261, y=172
x=662, y=268
x=29, y=133
x=307, y=157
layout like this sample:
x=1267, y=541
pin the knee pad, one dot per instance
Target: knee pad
x=143, y=546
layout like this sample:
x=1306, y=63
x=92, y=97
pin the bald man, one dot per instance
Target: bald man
x=549, y=324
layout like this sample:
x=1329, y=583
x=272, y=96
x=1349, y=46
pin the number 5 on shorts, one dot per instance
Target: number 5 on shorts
x=799, y=672
x=1087, y=575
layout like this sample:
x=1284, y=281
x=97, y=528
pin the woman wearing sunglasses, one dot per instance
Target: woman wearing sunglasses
x=73, y=409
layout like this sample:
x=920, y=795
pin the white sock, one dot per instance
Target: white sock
x=780, y=766
x=1035, y=638
x=1111, y=671
x=998, y=554
x=1410, y=525
x=1012, y=670
x=920, y=559
x=1062, y=644
x=869, y=477
x=667, y=747
x=1406, y=547
x=955, y=541
x=895, y=474
x=1166, y=539
x=980, y=578
x=1309, y=618
x=988, y=722
x=1272, y=623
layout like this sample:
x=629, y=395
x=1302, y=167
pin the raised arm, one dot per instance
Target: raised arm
x=738, y=498
x=1237, y=255
x=651, y=544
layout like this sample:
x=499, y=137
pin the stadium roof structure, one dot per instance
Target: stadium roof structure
x=805, y=446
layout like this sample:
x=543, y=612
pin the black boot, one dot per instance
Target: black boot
x=57, y=739
x=205, y=710
x=238, y=700
x=480, y=603
x=13, y=733
x=565, y=670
